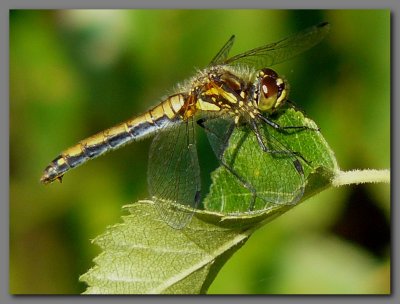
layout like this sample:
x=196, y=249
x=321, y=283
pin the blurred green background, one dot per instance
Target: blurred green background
x=73, y=73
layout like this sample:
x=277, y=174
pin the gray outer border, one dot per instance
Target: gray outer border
x=6, y=5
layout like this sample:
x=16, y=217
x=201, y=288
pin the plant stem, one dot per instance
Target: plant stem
x=361, y=176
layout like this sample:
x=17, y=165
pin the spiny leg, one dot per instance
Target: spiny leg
x=223, y=139
x=219, y=151
x=280, y=128
x=244, y=183
x=296, y=162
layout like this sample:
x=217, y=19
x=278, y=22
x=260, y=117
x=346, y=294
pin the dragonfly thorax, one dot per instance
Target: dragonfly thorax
x=221, y=90
x=227, y=90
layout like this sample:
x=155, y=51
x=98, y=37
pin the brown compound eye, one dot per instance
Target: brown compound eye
x=268, y=73
x=271, y=90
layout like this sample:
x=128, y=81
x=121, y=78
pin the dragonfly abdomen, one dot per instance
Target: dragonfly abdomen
x=131, y=130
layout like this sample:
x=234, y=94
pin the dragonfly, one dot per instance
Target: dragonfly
x=230, y=92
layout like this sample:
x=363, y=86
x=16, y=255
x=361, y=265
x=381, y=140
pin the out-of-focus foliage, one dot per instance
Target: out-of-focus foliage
x=73, y=73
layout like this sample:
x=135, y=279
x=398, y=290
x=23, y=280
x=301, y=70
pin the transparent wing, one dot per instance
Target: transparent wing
x=288, y=163
x=274, y=53
x=223, y=52
x=174, y=173
x=284, y=181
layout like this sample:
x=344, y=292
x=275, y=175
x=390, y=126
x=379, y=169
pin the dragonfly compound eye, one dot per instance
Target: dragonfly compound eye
x=272, y=90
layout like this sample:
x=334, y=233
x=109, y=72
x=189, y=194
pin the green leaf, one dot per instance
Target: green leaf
x=145, y=255
x=274, y=175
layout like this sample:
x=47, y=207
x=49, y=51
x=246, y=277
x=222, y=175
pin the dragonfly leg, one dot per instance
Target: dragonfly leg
x=280, y=128
x=201, y=122
x=244, y=183
x=296, y=163
x=293, y=105
x=223, y=141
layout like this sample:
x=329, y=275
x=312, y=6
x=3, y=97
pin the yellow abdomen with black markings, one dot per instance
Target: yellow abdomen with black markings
x=170, y=111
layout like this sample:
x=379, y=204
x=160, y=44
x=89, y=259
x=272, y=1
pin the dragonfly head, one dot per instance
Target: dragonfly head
x=271, y=90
